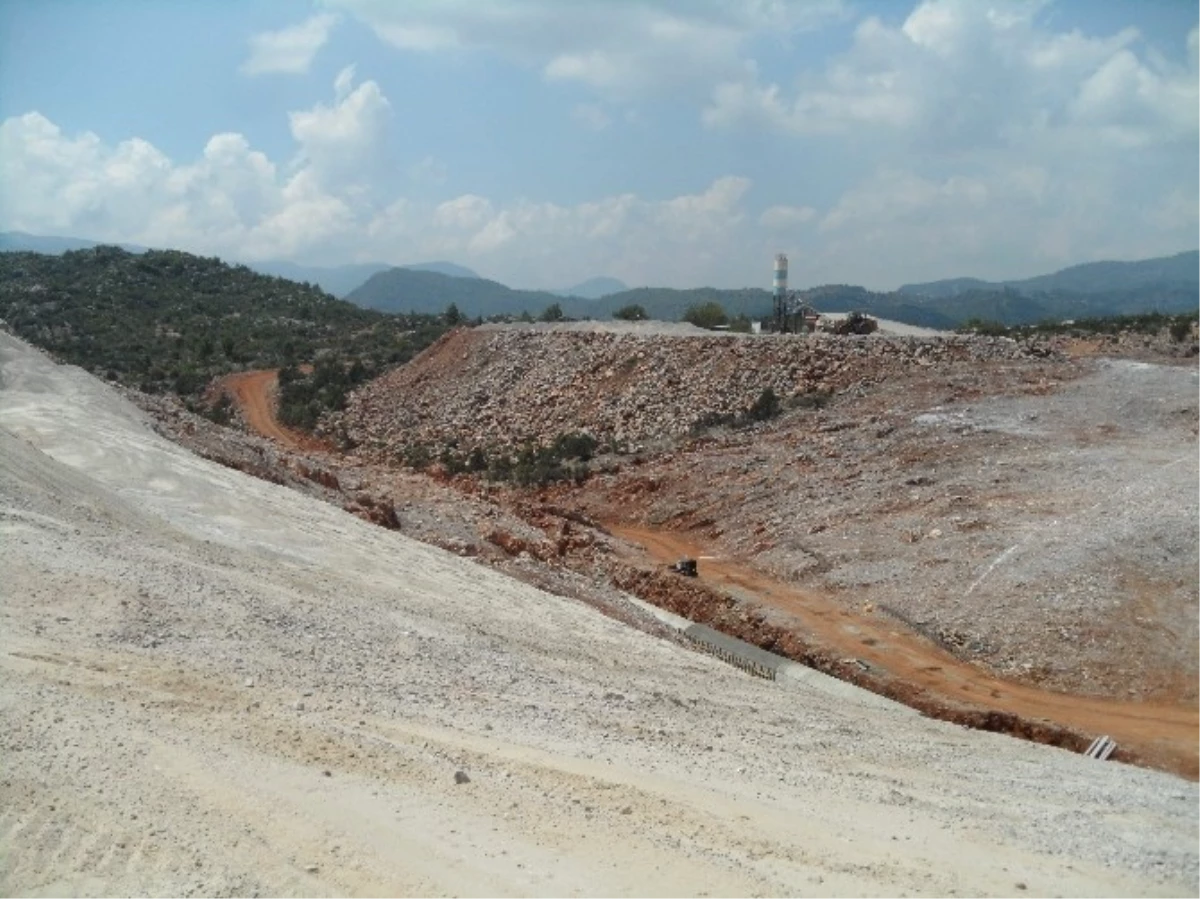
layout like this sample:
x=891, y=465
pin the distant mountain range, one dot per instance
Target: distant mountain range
x=1090, y=277
x=338, y=280
x=593, y=288
x=1169, y=284
x=404, y=290
x=17, y=241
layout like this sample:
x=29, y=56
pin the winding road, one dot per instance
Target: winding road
x=254, y=393
x=1162, y=735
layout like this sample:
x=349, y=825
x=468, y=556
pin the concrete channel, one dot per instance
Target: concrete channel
x=767, y=665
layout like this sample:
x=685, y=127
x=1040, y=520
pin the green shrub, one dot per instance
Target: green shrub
x=813, y=399
x=766, y=407
x=477, y=461
x=564, y=458
x=417, y=456
x=984, y=327
x=706, y=315
x=220, y=412
x=574, y=446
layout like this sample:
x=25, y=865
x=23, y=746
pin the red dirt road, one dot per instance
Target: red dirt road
x=254, y=393
x=1162, y=735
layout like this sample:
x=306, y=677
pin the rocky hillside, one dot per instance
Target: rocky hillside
x=500, y=386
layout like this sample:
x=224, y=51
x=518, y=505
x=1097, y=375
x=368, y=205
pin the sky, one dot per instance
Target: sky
x=675, y=143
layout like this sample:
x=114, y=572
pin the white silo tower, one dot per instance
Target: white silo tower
x=780, y=291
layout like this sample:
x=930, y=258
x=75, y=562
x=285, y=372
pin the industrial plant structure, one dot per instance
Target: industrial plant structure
x=791, y=315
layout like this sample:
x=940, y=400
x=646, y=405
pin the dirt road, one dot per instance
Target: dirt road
x=253, y=393
x=1162, y=735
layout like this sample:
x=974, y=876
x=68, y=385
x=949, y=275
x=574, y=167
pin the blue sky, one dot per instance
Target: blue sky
x=663, y=142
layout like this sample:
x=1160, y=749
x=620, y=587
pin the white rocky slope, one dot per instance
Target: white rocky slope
x=212, y=685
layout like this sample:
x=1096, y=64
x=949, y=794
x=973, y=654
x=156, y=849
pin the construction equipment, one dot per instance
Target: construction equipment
x=685, y=566
x=856, y=323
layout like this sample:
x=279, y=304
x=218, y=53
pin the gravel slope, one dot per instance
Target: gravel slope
x=212, y=685
x=1039, y=519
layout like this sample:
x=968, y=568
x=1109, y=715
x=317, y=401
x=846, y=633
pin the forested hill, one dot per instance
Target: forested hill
x=416, y=290
x=1162, y=273
x=165, y=320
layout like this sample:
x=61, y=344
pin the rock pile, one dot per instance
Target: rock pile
x=507, y=387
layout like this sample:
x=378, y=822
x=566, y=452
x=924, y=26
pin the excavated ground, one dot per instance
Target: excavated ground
x=215, y=686
x=504, y=385
x=982, y=529
x=1046, y=530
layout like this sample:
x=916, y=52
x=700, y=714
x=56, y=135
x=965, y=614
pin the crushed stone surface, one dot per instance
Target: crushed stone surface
x=215, y=685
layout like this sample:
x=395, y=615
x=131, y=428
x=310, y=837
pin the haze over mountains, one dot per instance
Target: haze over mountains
x=338, y=280
x=1168, y=284
x=594, y=288
x=1091, y=277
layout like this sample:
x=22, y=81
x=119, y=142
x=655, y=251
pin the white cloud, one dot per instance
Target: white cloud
x=289, y=50
x=233, y=201
x=985, y=144
x=895, y=225
x=344, y=143
x=961, y=75
x=1177, y=211
x=467, y=212
x=896, y=197
x=678, y=240
x=988, y=143
x=643, y=45
x=1134, y=105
